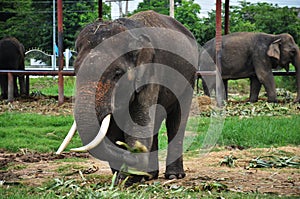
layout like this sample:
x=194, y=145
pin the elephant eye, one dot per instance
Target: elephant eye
x=118, y=73
x=293, y=52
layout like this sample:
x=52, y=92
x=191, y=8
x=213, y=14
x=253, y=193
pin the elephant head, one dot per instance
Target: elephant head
x=109, y=76
x=285, y=51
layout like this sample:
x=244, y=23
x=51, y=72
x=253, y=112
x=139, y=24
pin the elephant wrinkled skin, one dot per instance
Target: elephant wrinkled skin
x=12, y=55
x=252, y=55
x=137, y=63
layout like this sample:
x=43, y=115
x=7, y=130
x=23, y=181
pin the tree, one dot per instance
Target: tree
x=186, y=12
x=31, y=21
x=268, y=18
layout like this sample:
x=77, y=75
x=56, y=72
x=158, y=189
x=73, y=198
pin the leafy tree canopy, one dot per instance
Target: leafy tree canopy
x=31, y=21
x=256, y=17
x=186, y=12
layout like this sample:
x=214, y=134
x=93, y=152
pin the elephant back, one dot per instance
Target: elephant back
x=12, y=53
x=153, y=19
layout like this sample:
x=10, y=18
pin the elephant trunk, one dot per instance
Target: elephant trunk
x=92, y=107
x=296, y=63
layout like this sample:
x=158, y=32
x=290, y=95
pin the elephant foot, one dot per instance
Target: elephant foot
x=175, y=170
x=170, y=176
x=128, y=180
x=154, y=175
x=272, y=100
x=297, y=100
x=174, y=173
x=253, y=99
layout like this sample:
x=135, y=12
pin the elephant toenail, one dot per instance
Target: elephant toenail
x=171, y=177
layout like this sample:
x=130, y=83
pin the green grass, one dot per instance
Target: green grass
x=49, y=85
x=71, y=189
x=264, y=131
x=44, y=133
x=36, y=132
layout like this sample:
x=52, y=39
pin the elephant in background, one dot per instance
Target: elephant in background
x=144, y=73
x=12, y=54
x=252, y=55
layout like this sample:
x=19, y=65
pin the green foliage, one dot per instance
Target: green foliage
x=255, y=17
x=161, y=7
x=186, y=12
x=64, y=188
x=264, y=17
x=31, y=21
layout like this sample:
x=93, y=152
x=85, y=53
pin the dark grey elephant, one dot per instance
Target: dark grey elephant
x=12, y=55
x=132, y=73
x=252, y=55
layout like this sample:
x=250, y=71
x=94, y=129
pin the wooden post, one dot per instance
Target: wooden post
x=100, y=7
x=10, y=87
x=226, y=17
x=60, y=53
x=219, y=82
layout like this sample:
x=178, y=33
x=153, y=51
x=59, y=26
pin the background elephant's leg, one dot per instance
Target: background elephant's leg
x=16, y=90
x=4, y=86
x=22, y=85
x=176, y=123
x=205, y=88
x=209, y=84
x=255, y=87
x=225, y=82
x=265, y=76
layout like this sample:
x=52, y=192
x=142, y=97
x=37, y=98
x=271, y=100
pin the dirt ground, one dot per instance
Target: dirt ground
x=33, y=168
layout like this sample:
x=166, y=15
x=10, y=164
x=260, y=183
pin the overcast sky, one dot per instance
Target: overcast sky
x=206, y=5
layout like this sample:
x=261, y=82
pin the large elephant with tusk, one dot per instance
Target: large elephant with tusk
x=133, y=73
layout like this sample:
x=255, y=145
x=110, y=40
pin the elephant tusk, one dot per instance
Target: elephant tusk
x=101, y=134
x=67, y=139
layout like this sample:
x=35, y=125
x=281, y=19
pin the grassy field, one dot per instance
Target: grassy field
x=44, y=133
x=49, y=85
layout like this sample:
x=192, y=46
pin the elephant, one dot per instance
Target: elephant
x=12, y=54
x=251, y=55
x=133, y=73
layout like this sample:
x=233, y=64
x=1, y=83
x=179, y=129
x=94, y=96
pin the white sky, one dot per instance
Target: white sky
x=206, y=5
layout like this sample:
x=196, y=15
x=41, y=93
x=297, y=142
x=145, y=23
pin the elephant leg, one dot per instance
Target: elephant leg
x=209, y=84
x=16, y=90
x=225, y=82
x=4, y=86
x=265, y=76
x=153, y=167
x=176, y=122
x=255, y=87
x=22, y=85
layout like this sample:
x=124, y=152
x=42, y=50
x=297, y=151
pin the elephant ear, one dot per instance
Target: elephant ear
x=145, y=55
x=274, y=50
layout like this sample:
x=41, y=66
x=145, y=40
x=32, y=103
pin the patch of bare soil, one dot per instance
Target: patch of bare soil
x=36, y=168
